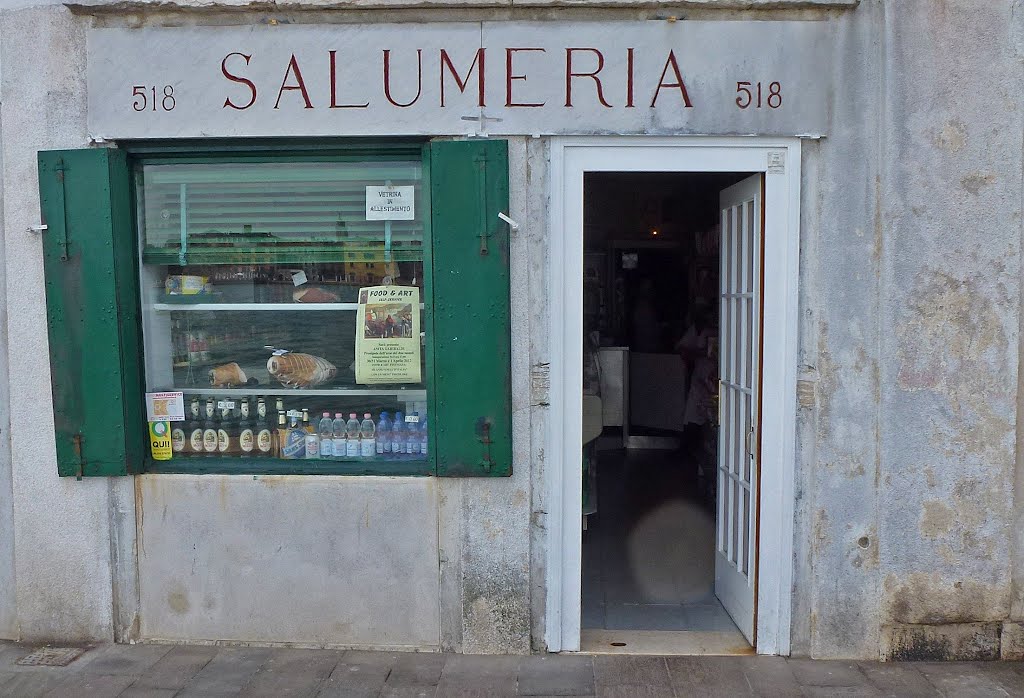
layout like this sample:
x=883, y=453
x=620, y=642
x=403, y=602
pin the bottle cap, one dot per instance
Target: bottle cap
x=351, y=415
x=337, y=415
x=366, y=415
x=327, y=414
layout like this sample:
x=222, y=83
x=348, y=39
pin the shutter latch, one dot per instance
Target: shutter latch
x=63, y=241
x=483, y=432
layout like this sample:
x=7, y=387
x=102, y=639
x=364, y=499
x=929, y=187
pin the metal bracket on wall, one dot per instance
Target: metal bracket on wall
x=483, y=430
x=78, y=453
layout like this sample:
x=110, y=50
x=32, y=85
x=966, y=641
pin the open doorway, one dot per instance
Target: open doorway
x=671, y=287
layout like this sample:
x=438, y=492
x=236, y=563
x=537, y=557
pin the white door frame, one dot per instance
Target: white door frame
x=779, y=159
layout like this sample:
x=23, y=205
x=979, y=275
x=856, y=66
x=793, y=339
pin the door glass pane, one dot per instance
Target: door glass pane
x=751, y=234
x=745, y=547
x=251, y=277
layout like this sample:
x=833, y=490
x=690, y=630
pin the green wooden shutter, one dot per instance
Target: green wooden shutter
x=471, y=419
x=92, y=311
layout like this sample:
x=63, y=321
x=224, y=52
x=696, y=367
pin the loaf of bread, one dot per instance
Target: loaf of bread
x=301, y=370
x=227, y=375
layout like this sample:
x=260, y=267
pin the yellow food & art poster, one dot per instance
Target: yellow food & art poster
x=388, y=335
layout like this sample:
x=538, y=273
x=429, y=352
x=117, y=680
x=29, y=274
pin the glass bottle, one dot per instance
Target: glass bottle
x=195, y=429
x=282, y=435
x=246, y=433
x=227, y=431
x=210, y=429
x=264, y=434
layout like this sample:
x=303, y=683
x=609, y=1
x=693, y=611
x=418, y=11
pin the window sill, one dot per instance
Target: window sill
x=268, y=466
x=109, y=6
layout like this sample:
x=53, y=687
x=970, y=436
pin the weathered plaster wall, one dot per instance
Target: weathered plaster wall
x=910, y=307
x=835, y=578
x=61, y=529
x=348, y=561
x=951, y=273
x=8, y=608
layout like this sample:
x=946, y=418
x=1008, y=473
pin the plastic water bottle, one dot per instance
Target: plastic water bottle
x=338, y=427
x=383, y=434
x=424, y=448
x=368, y=445
x=398, y=435
x=326, y=432
x=352, y=436
x=412, y=436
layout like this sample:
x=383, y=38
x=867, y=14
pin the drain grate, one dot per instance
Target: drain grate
x=51, y=656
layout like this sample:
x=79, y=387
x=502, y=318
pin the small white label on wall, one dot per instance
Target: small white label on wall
x=390, y=203
x=776, y=162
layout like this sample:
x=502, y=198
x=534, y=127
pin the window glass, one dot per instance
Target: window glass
x=251, y=279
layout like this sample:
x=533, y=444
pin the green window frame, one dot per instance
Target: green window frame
x=94, y=316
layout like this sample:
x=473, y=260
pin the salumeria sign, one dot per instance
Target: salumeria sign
x=497, y=78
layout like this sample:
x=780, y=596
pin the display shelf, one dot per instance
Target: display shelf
x=257, y=306
x=418, y=394
x=254, y=306
x=276, y=255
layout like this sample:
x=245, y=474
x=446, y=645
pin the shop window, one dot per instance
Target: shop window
x=228, y=275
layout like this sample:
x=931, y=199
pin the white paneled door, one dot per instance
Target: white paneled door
x=739, y=404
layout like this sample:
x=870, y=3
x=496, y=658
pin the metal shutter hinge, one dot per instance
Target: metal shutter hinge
x=483, y=430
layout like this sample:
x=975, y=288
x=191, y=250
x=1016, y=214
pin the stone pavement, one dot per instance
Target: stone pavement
x=161, y=671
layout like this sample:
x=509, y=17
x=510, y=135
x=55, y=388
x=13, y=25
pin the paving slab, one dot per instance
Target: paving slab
x=866, y=691
x=816, y=672
x=86, y=685
x=407, y=691
x=28, y=684
x=122, y=660
x=133, y=692
x=542, y=675
x=961, y=679
x=175, y=668
x=417, y=669
x=227, y=673
x=469, y=674
x=622, y=670
x=634, y=691
x=1009, y=675
x=358, y=675
x=768, y=676
x=897, y=679
x=292, y=672
x=709, y=677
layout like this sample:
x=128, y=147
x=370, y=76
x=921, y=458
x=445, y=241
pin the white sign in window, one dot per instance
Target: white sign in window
x=390, y=203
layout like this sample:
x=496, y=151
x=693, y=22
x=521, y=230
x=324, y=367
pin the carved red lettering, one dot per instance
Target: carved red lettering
x=671, y=62
x=570, y=74
x=446, y=62
x=387, y=78
x=629, y=77
x=293, y=67
x=334, y=87
x=239, y=79
x=509, y=77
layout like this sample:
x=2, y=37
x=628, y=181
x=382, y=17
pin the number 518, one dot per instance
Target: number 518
x=752, y=95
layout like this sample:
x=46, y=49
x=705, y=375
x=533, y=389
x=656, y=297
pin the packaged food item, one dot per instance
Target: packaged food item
x=301, y=370
x=227, y=375
x=186, y=285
